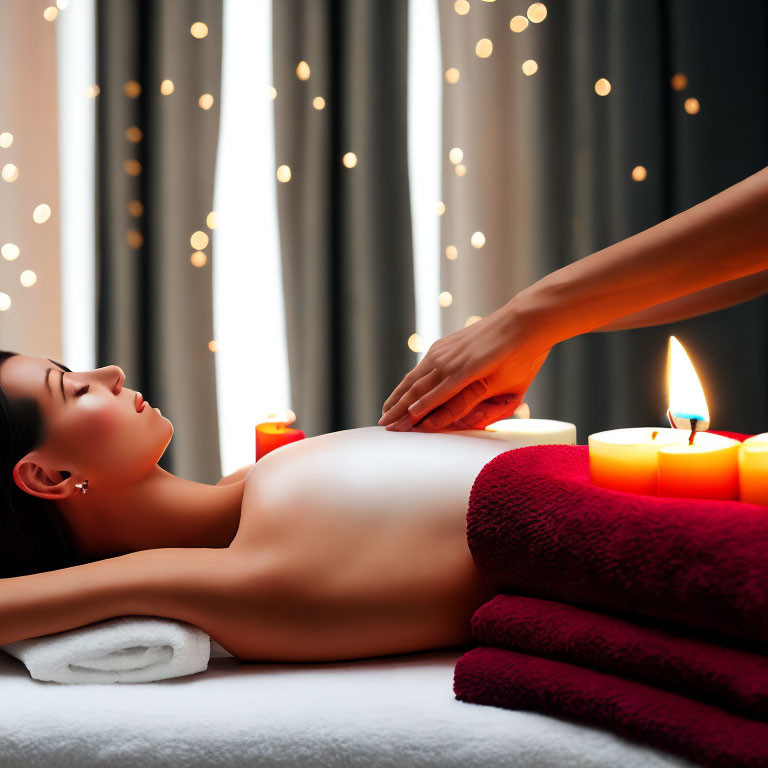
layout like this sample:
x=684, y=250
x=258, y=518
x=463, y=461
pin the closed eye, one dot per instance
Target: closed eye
x=82, y=390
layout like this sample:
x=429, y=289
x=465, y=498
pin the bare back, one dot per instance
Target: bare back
x=368, y=528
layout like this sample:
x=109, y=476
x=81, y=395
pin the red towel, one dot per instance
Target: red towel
x=723, y=677
x=696, y=731
x=536, y=526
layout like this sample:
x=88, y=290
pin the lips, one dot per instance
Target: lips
x=139, y=402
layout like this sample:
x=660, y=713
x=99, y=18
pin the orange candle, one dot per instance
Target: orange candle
x=753, y=469
x=274, y=434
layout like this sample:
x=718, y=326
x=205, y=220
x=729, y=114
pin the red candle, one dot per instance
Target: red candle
x=273, y=434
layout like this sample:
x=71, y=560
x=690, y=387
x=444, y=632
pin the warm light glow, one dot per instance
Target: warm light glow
x=199, y=240
x=415, y=344
x=461, y=7
x=27, y=278
x=686, y=397
x=518, y=23
x=5, y=302
x=133, y=134
x=440, y=207
x=132, y=89
x=460, y=169
x=530, y=67
x=537, y=12
x=166, y=87
x=272, y=91
x=62, y=5
x=213, y=345
x=283, y=173
x=678, y=81
x=484, y=48
x=92, y=91
x=472, y=319
x=198, y=259
x=134, y=238
x=199, y=30
x=41, y=214
x=50, y=13
x=302, y=70
x=10, y=251
x=477, y=240
x=445, y=299
x=132, y=167
x=602, y=87
x=283, y=418
x=6, y=139
x=212, y=220
x=452, y=252
x=318, y=103
x=135, y=208
x=10, y=172
x=205, y=101
x=349, y=160
x=455, y=155
x=452, y=75
x=639, y=173
x=692, y=106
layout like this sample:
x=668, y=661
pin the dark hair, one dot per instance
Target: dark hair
x=33, y=535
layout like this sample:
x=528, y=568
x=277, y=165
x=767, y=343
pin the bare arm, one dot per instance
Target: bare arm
x=721, y=239
x=694, y=304
x=187, y=584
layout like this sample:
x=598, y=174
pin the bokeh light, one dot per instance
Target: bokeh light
x=213, y=345
x=132, y=89
x=199, y=240
x=452, y=75
x=602, y=87
x=349, y=160
x=537, y=12
x=199, y=30
x=460, y=169
x=272, y=92
x=10, y=172
x=10, y=251
x=92, y=91
x=318, y=103
x=5, y=302
x=283, y=173
x=461, y=7
x=518, y=23
x=451, y=252
x=135, y=208
x=456, y=155
x=134, y=134
x=530, y=67
x=639, y=173
x=484, y=48
x=692, y=106
x=302, y=70
x=440, y=207
x=415, y=343
x=477, y=240
x=198, y=259
x=212, y=220
x=134, y=238
x=445, y=299
x=472, y=319
x=6, y=139
x=205, y=101
x=50, y=13
x=132, y=167
x=679, y=81
x=166, y=87
x=41, y=214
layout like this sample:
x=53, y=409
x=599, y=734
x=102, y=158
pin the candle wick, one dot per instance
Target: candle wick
x=692, y=435
x=653, y=436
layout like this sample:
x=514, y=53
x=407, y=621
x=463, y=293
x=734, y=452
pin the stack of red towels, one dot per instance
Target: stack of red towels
x=644, y=615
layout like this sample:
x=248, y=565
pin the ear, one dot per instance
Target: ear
x=39, y=481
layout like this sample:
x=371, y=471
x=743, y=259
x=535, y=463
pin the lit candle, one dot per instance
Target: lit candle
x=628, y=459
x=753, y=469
x=274, y=434
x=704, y=466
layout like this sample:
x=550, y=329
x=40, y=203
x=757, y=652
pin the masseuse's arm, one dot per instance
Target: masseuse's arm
x=722, y=239
x=699, y=303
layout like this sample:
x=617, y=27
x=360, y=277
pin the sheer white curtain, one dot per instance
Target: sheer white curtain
x=76, y=63
x=251, y=361
x=424, y=150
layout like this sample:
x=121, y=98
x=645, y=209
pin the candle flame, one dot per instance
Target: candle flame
x=686, y=397
x=282, y=417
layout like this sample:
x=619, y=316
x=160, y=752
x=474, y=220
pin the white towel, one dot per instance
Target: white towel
x=128, y=649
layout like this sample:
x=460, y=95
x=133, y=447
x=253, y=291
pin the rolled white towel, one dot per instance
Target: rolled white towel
x=127, y=649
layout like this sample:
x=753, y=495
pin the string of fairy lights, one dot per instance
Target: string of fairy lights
x=199, y=240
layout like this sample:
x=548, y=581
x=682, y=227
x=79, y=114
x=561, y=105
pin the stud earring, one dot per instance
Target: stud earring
x=82, y=487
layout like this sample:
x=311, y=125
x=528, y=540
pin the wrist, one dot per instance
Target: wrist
x=534, y=315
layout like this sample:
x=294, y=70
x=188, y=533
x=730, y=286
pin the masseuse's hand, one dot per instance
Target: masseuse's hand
x=468, y=379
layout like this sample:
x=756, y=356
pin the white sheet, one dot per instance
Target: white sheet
x=389, y=711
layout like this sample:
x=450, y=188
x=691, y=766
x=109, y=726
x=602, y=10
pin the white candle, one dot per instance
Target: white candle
x=520, y=433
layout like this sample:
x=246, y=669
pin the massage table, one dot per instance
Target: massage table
x=385, y=711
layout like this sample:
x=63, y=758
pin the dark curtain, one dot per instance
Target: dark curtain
x=549, y=180
x=345, y=233
x=156, y=157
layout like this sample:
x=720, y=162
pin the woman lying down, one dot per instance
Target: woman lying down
x=342, y=546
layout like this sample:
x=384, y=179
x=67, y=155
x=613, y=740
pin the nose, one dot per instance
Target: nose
x=114, y=374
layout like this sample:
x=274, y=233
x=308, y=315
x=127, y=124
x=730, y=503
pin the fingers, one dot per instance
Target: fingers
x=457, y=406
x=411, y=393
x=441, y=393
x=487, y=412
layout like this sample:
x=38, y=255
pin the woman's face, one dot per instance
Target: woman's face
x=94, y=430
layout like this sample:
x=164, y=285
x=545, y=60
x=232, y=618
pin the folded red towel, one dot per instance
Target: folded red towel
x=536, y=526
x=724, y=677
x=685, y=727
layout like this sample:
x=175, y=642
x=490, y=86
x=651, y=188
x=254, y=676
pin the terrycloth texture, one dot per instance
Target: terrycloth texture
x=389, y=712
x=536, y=526
x=685, y=727
x=128, y=649
x=723, y=677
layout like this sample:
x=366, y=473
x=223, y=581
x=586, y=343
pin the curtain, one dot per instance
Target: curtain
x=548, y=179
x=157, y=132
x=345, y=228
x=30, y=268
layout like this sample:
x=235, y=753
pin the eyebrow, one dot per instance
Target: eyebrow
x=61, y=378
